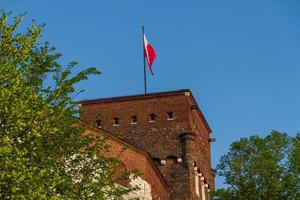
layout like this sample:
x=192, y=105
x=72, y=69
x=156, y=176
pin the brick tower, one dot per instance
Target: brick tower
x=170, y=127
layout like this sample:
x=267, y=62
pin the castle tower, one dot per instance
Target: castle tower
x=170, y=127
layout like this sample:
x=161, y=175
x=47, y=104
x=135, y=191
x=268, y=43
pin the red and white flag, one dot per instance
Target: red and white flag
x=149, y=53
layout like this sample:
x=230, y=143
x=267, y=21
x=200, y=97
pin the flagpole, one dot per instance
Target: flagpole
x=145, y=82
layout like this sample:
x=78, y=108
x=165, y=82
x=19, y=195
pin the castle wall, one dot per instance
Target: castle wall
x=162, y=138
x=159, y=138
x=202, y=147
x=133, y=159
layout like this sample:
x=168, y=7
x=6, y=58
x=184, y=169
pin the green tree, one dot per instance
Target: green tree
x=261, y=168
x=40, y=148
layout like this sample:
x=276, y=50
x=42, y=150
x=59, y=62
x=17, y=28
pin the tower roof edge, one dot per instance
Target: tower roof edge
x=186, y=92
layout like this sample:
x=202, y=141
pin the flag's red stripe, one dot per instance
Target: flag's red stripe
x=150, y=55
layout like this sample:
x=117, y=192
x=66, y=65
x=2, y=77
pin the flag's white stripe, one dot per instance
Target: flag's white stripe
x=145, y=40
x=146, y=47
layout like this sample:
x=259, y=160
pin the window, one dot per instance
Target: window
x=116, y=121
x=98, y=123
x=203, y=195
x=152, y=118
x=134, y=120
x=169, y=115
x=197, y=184
x=163, y=162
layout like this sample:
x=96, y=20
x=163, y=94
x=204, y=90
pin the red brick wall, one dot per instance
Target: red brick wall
x=160, y=138
x=202, y=147
x=133, y=159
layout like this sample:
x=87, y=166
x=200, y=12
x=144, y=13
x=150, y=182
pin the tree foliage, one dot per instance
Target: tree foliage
x=265, y=168
x=40, y=148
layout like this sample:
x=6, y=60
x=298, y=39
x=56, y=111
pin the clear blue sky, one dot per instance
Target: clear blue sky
x=241, y=59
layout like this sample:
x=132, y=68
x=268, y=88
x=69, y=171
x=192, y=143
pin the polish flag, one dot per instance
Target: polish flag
x=149, y=53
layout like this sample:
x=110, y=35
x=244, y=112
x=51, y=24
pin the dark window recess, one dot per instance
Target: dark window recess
x=116, y=121
x=98, y=123
x=169, y=115
x=194, y=107
x=152, y=118
x=134, y=120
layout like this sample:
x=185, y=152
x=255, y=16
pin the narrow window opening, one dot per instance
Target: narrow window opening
x=98, y=123
x=116, y=121
x=163, y=162
x=152, y=118
x=134, y=120
x=197, y=181
x=170, y=116
x=203, y=190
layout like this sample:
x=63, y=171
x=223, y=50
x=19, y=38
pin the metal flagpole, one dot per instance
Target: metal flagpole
x=145, y=82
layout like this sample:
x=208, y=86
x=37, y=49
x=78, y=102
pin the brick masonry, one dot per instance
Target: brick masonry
x=134, y=159
x=175, y=145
